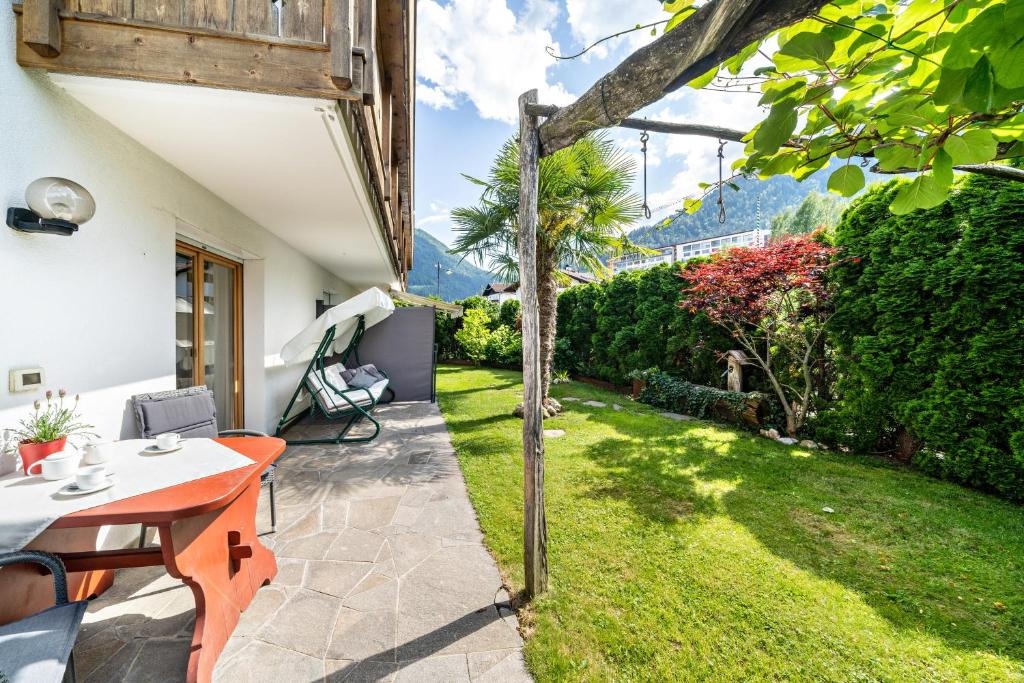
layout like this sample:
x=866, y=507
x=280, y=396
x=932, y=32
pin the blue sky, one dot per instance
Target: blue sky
x=474, y=58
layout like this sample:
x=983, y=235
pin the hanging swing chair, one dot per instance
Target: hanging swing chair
x=330, y=395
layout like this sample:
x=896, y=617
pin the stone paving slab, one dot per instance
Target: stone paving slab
x=382, y=576
x=677, y=416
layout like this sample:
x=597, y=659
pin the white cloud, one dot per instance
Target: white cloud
x=591, y=20
x=439, y=213
x=479, y=50
x=434, y=97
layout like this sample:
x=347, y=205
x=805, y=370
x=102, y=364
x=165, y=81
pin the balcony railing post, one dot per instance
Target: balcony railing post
x=40, y=28
x=340, y=40
x=367, y=41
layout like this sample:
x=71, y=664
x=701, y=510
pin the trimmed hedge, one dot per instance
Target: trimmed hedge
x=632, y=321
x=929, y=333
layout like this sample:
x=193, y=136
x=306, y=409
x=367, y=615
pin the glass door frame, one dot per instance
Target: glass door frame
x=199, y=258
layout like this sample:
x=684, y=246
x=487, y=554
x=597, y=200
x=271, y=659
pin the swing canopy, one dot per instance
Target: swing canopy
x=373, y=305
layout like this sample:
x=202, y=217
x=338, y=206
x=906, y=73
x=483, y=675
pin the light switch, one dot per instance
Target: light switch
x=26, y=379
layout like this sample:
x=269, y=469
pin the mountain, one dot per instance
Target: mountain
x=752, y=206
x=465, y=280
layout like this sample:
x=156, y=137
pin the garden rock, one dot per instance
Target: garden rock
x=773, y=434
x=807, y=443
x=570, y=399
x=788, y=440
x=595, y=404
x=551, y=408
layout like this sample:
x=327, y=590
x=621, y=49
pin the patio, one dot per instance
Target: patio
x=382, y=575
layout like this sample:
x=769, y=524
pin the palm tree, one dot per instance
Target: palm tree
x=584, y=202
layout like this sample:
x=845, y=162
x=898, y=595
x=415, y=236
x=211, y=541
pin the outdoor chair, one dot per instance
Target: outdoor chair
x=331, y=394
x=192, y=413
x=38, y=649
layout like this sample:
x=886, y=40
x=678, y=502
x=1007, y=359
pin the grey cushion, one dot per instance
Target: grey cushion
x=362, y=379
x=369, y=368
x=36, y=649
x=189, y=412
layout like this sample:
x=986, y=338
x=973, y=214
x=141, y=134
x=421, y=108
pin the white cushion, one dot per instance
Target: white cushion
x=330, y=400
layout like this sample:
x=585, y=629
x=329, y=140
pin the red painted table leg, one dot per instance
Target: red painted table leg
x=219, y=556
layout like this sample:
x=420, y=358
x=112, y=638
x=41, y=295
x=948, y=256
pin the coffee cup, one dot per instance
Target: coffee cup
x=167, y=441
x=96, y=452
x=60, y=465
x=91, y=476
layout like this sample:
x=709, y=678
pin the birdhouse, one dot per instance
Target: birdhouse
x=736, y=360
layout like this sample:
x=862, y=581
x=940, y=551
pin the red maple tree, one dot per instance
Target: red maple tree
x=774, y=300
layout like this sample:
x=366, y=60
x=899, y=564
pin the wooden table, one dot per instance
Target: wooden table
x=208, y=539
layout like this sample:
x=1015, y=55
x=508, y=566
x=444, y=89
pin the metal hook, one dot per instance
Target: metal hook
x=721, y=182
x=644, y=137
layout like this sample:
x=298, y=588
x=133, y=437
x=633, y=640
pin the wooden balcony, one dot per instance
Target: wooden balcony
x=358, y=52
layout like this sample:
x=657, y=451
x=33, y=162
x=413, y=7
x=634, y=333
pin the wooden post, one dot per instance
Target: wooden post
x=40, y=26
x=535, y=533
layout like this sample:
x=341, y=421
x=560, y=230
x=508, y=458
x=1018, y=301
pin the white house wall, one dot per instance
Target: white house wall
x=96, y=310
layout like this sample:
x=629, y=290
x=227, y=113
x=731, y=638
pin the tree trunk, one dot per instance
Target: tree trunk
x=547, y=303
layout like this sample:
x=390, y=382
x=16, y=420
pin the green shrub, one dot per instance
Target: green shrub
x=504, y=347
x=445, y=328
x=929, y=333
x=472, y=338
x=508, y=314
x=671, y=393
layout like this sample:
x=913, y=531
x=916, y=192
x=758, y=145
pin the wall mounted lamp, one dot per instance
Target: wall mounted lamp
x=57, y=206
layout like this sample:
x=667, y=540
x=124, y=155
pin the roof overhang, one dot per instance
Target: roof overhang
x=288, y=163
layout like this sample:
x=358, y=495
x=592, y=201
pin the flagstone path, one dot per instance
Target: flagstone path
x=382, y=576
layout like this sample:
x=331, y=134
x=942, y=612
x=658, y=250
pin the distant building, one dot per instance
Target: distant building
x=687, y=250
x=500, y=292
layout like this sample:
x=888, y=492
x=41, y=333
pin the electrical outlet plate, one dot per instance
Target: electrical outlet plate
x=26, y=379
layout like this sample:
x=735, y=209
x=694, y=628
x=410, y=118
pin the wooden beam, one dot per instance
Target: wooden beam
x=97, y=46
x=340, y=40
x=730, y=134
x=715, y=32
x=125, y=558
x=535, y=535
x=40, y=28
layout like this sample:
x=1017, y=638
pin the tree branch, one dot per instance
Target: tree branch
x=993, y=170
x=713, y=34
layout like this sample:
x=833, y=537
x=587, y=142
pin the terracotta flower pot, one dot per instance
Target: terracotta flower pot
x=32, y=453
x=638, y=386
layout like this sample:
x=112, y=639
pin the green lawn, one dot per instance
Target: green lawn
x=688, y=551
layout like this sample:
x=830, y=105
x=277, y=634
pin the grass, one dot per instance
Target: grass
x=690, y=551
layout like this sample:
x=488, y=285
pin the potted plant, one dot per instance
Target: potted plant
x=639, y=378
x=48, y=428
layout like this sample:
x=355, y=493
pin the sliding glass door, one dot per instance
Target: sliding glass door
x=208, y=307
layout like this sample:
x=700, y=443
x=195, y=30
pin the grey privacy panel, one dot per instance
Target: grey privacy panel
x=403, y=346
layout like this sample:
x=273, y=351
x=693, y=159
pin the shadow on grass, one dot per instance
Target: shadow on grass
x=925, y=555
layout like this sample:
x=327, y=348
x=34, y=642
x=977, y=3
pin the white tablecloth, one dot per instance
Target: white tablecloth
x=30, y=504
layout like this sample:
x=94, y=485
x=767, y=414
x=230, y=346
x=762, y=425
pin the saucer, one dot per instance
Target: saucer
x=73, y=490
x=156, y=450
